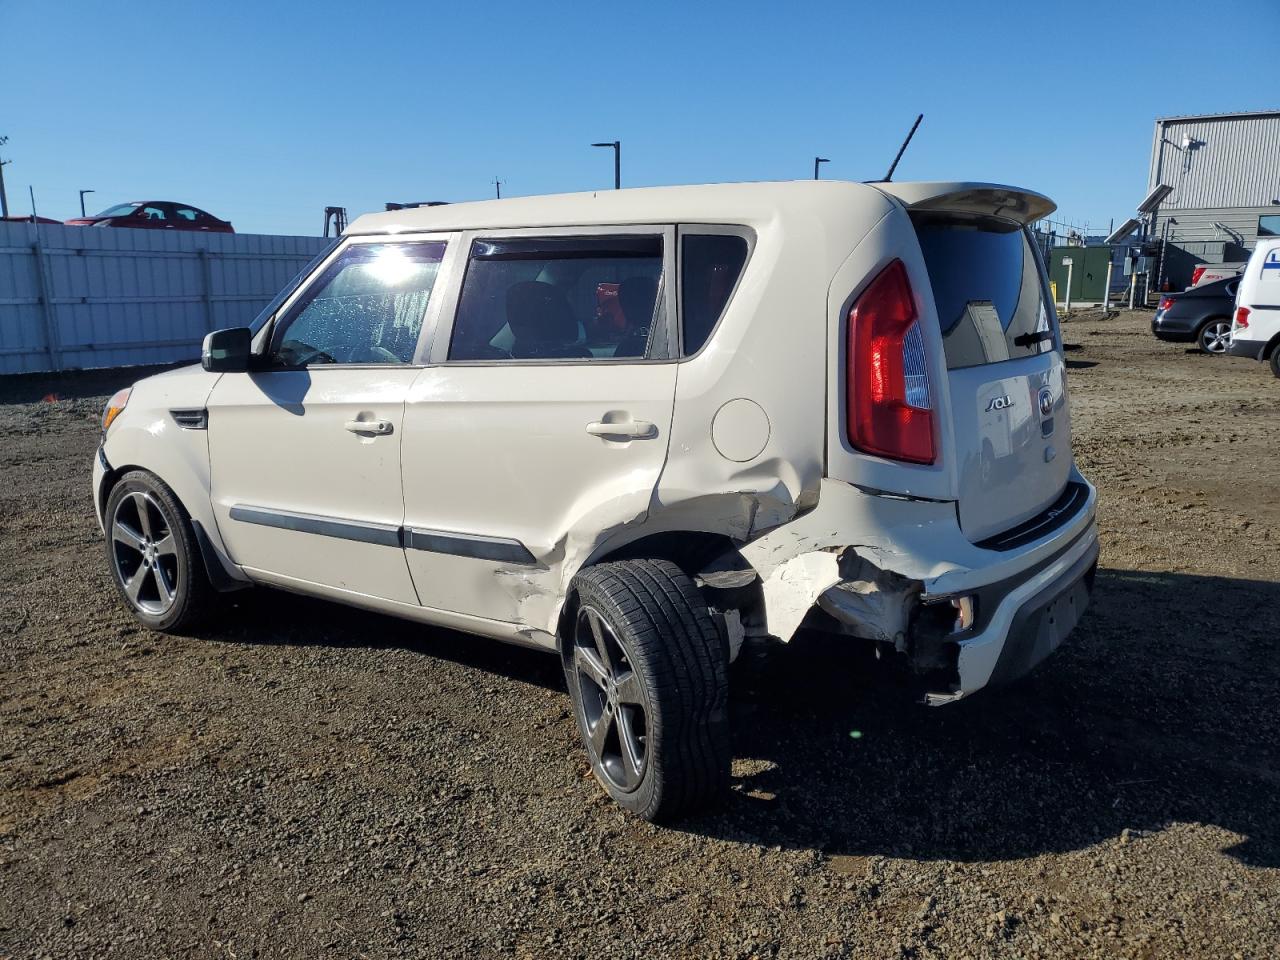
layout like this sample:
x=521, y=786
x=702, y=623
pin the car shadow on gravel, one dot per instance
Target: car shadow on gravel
x=1164, y=706
x=305, y=620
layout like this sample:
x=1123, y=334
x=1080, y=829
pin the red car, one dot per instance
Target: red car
x=155, y=215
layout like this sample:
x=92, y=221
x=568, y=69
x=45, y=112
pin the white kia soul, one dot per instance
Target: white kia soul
x=639, y=428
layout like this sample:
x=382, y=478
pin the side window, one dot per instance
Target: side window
x=186, y=213
x=367, y=307
x=559, y=298
x=152, y=213
x=710, y=265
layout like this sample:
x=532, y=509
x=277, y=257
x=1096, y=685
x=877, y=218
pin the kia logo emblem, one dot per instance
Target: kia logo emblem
x=1046, y=402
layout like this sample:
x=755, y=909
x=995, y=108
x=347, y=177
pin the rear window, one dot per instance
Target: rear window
x=987, y=287
x=709, y=268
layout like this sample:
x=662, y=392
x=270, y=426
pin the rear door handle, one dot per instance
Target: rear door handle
x=626, y=430
x=379, y=428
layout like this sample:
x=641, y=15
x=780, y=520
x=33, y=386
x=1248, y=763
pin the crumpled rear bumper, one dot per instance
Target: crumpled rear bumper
x=891, y=571
x=1031, y=621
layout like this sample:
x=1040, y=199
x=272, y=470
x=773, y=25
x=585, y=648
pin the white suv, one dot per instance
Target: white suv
x=640, y=428
x=1255, y=326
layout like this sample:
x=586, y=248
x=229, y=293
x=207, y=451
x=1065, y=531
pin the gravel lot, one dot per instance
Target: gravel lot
x=310, y=781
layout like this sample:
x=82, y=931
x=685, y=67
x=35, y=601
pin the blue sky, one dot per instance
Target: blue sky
x=266, y=112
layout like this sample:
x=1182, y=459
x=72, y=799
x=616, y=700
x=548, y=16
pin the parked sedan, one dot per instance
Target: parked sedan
x=155, y=215
x=1200, y=315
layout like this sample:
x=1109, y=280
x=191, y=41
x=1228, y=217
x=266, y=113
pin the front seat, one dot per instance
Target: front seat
x=542, y=323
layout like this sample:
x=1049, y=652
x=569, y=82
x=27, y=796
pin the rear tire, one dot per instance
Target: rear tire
x=1275, y=360
x=1213, y=336
x=153, y=555
x=647, y=672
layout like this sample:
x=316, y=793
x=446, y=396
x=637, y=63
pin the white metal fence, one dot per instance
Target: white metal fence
x=79, y=297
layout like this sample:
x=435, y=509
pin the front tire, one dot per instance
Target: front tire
x=1213, y=336
x=647, y=672
x=153, y=555
x=1275, y=360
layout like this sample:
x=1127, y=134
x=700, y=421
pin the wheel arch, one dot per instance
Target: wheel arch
x=179, y=458
x=700, y=555
x=1271, y=347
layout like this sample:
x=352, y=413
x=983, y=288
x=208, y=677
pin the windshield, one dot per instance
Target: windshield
x=269, y=310
x=119, y=210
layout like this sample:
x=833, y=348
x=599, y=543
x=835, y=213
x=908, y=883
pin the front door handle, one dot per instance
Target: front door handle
x=379, y=428
x=626, y=430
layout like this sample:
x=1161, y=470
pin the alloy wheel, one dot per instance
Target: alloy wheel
x=612, y=696
x=144, y=553
x=1215, y=337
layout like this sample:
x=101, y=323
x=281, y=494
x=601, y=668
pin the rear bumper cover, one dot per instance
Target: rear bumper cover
x=1252, y=349
x=1043, y=622
x=1173, y=329
x=873, y=562
x=1023, y=619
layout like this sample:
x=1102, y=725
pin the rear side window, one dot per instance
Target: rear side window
x=559, y=298
x=710, y=265
x=987, y=288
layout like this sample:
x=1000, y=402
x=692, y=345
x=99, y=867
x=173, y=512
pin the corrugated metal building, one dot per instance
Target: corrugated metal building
x=1225, y=173
x=73, y=297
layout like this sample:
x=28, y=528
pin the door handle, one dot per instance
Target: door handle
x=626, y=430
x=379, y=428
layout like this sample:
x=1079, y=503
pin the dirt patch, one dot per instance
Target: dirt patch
x=308, y=780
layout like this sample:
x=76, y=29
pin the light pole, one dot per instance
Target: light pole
x=816, y=161
x=4, y=200
x=617, y=161
x=82, y=193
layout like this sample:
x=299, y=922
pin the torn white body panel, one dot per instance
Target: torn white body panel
x=794, y=586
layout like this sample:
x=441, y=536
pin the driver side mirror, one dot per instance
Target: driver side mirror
x=227, y=351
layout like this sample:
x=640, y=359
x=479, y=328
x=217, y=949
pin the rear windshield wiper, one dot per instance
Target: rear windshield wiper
x=1027, y=339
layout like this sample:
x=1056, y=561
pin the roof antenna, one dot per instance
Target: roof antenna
x=902, y=149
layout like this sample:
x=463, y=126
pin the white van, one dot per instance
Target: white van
x=1255, y=328
x=639, y=429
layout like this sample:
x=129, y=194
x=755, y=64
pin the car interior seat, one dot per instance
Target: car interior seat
x=542, y=323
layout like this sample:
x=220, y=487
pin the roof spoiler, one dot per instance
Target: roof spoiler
x=983, y=199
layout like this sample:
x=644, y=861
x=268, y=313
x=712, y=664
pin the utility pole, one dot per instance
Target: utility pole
x=617, y=161
x=497, y=185
x=4, y=200
x=82, y=193
x=816, y=161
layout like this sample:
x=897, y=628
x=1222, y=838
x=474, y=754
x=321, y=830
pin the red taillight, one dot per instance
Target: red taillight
x=1196, y=274
x=890, y=412
x=1165, y=303
x=1242, y=316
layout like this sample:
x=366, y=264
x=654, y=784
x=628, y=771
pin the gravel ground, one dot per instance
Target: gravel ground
x=310, y=781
